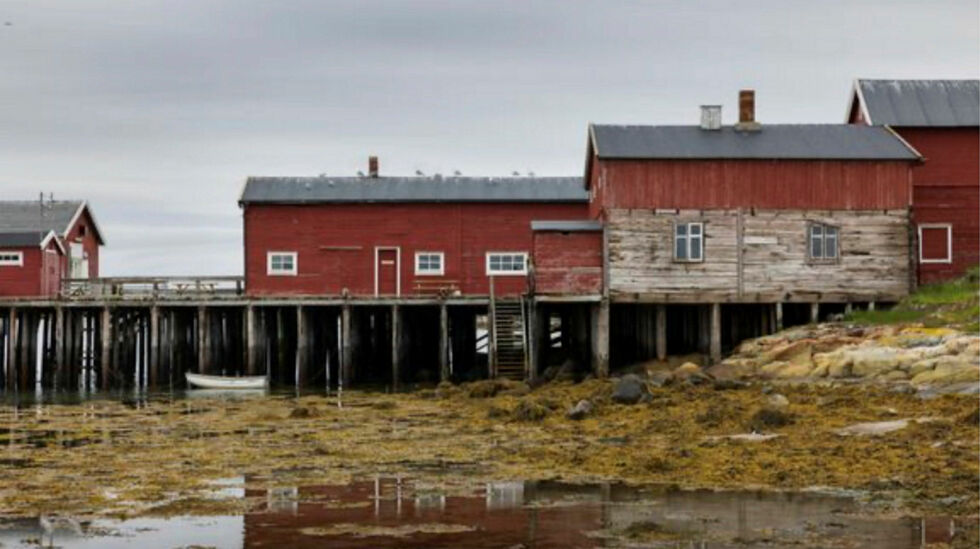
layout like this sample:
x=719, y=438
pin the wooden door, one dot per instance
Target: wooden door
x=386, y=271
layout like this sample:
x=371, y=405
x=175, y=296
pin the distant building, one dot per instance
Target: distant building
x=941, y=120
x=43, y=243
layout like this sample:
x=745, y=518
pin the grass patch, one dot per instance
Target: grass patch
x=954, y=304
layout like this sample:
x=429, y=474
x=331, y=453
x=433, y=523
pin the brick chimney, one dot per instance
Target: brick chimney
x=372, y=166
x=746, y=111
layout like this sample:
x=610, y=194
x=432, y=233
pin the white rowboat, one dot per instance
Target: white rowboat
x=222, y=382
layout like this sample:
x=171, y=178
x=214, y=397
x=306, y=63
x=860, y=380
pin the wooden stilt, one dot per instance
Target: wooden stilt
x=444, y=373
x=871, y=305
x=600, y=339
x=251, y=341
x=346, y=351
x=715, y=346
x=59, y=346
x=302, y=350
x=661, y=328
x=396, y=346
x=848, y=308
x=814, y=313
x=106, y=359
x=202, y=340
x=779, y=316
x=12, y=340
x=154, y=354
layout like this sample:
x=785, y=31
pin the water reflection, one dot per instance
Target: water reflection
x=396, y=511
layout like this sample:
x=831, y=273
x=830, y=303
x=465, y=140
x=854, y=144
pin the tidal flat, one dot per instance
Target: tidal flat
x=163, y=456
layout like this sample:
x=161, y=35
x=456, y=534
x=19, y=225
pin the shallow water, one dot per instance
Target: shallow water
x=389, y=512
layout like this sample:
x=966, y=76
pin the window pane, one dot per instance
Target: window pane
x=816, y=247
x=830, y=243
x=695, y=228
x=816, y=230
x=681, y=229
x=680, y=248
x=696, y=248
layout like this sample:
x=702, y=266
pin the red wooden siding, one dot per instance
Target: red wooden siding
x=771, y=184
x=567, y=263
x=336, y=244
x=947, y=190
x=90, y=243
x=39, y=276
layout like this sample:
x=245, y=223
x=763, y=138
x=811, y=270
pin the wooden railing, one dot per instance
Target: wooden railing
x=175, y=287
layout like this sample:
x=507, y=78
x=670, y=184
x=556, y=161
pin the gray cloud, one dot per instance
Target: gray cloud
x=156, y=111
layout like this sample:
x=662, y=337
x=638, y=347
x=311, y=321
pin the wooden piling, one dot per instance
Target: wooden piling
x=814, y=313
x=106, y=359
x=660, y=325
x=715, y=345
x=302, y=349
x=12, y=340
x=154, y=376
x=396, y=346
x=779, y=315
x=346, y=350
x=444, y=373
x=202, y=340
x=59, y=342
x=251, y=342
x=600, y=339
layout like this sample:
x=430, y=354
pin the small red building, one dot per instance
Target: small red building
x=940, y=119
x=398, y=236
x=42, y=243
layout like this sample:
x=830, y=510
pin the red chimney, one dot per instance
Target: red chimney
x=372, y=166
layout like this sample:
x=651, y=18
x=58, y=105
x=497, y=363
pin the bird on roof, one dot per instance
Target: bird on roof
x=419, y=173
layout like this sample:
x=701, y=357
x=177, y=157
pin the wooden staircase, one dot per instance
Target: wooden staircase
x=509, y=338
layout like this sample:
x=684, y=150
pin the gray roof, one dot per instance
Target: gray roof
x=770, y=142
x=26, y=215
x=582, y=225
x=22, y=239
x=312, y=190
x=922, y=103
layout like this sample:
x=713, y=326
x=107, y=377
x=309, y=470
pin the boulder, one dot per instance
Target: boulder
x=948, y=370
x=797, y=352
x=581, y=410
x=795, y=371
x=629, y=389
x=732, y=369
x=661, y=378
x=776, y=401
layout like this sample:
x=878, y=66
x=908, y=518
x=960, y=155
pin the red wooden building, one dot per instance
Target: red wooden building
x=44, y=242
x=398, y=236
x=941, y=120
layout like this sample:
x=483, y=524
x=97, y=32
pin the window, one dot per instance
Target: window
x=11, y=259
x=689, y=242
x=506, y=263
x=281, y=264
x=823, y=242
x=429, y=263
x=81, y=230
x=935, y=243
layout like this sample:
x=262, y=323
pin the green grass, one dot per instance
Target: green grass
x=954, y=304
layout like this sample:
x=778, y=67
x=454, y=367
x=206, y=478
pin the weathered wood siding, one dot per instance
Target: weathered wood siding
x=758, y=256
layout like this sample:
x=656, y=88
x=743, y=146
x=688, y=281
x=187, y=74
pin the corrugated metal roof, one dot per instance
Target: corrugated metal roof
x=22, y=239
x=567, y=226
x=771, y=142
x=311, y=190
x=19, y=215
x=921, y=103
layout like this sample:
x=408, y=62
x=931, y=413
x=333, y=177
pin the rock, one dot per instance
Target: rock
x=770, y=417
x=924, y=341
x=580, y=411
x=903, y=389
x=529, y=410
x=629, y=389
x=661, y=378
x=732, y=369
x=873, y=428
x=923, y=365
x=795, y=371
x=767, y=389
x=746, y=437
x=302, y=412
x=563, y=372
x=686, y=369
x=776, y=401
x=948, y=370
x=893, y=375
x=729, y=384
x=772, y=369
x=797, y=352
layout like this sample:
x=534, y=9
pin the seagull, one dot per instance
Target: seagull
x=515, y=173
x=419, y=172
x=457, y=173
x=360, y=173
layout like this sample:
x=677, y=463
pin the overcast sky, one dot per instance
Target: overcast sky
x=156, y=111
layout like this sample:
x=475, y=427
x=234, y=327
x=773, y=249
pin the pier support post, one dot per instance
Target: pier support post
x=202, y=340
x=871, y=305
x=346, y=351
x=106, y=358
x=154, y=345
x=396, y=345
x=302, y=346
x=59, y=346
x=11, y=377
x=537, y=333
x=251, y=341
x=715, y=345
x=814, y=313
x=779, y=316
x=443, y=342
x=660, y=325
x=600, y=339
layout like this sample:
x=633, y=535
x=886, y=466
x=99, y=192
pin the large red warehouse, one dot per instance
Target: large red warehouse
x=940, y=119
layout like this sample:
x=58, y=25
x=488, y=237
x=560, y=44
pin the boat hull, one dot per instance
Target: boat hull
x=222, y=382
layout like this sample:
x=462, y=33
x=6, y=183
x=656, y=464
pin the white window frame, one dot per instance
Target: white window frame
x=949, y=242
x=281, y=272
x=687, y=239
x=493, y=272
x=430, y=272
x=823, y=246
x=12, y=259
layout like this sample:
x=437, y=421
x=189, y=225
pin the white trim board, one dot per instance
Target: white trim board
x=949, y=241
